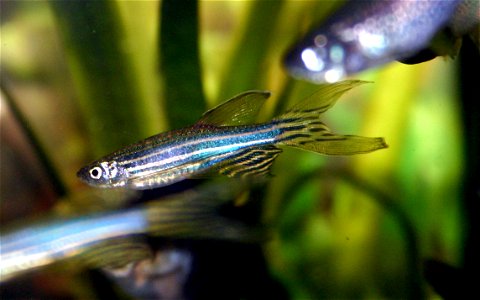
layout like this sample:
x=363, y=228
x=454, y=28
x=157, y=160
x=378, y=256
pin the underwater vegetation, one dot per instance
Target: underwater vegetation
x=81, y=79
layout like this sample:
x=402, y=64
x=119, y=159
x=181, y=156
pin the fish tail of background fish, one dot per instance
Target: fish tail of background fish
x=301, y=127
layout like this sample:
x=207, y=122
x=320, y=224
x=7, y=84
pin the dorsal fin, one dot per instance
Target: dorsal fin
x=239, y=110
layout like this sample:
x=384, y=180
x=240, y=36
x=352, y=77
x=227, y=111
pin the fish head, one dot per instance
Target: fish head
x=103, y=174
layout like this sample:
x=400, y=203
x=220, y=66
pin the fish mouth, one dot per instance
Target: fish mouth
x=82, y=174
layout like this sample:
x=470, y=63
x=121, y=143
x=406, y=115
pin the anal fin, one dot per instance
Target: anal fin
x=116, y=253
x=252, y=161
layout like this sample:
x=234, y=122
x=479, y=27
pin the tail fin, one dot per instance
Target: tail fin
x=300, y=126
x=196, y=214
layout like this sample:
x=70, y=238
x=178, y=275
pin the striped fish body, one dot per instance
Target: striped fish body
x=224, y=142
x=173, y=156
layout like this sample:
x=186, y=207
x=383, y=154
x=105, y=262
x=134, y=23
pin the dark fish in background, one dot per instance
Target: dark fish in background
x=366, y=34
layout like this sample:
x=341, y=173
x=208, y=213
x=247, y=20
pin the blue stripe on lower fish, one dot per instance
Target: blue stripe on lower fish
x=114, y=238
x=44, y=244
x=216, y=144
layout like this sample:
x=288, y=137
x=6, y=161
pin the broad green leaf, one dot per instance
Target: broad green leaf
x=180, y=63
x=106, y=87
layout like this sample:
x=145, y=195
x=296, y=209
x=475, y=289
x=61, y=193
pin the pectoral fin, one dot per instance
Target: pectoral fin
x=196, y=214
x=162, y=178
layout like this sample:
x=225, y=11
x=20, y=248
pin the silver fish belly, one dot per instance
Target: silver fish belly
x=38, y=246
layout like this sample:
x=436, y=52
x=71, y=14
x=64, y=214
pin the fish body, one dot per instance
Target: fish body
x=33, y=247
x=170, y=157
x=366, y=34
x=224, y=141
x=115, y=239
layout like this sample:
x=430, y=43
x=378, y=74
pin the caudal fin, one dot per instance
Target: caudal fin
x=196, y=214
x=301, y=127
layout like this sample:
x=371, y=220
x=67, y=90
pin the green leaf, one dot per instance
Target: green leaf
x=246, y=68
x=180, y=62
x=107, y=90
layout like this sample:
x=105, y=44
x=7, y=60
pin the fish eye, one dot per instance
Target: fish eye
x=96, y=172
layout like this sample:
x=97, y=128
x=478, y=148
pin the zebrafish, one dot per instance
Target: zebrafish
x=224, y=141
x=365, y=34
x=115, y=239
